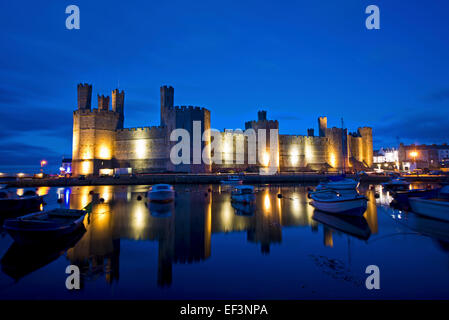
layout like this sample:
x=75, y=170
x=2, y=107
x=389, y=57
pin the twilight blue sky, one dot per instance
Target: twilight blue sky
x=296, y=59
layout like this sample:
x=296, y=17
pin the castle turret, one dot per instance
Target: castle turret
x=118, y=105
x=103, y=103
x=310, y=132
x=84, y=96
x=322, y=126
x=167, y=102
x=262, y=115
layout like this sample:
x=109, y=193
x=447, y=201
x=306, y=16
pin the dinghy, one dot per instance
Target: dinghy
x=331, y=201
x=161, y=193
x=243, y=194
x=45, y=226
x=13, y=204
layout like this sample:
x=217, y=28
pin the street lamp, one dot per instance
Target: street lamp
x=43, y=163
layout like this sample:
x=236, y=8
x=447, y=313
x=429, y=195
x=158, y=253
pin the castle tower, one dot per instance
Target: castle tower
x=94, y=134
x=367, y=145
x=118, y=105
x=167, y=102
x=103, y=103
x=322, y=126
x=262, y=115
x=84, y=96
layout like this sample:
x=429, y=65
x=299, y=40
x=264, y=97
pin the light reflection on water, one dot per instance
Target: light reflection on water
x=285, y=251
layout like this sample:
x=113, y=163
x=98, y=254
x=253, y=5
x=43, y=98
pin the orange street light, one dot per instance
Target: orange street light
x=43, y=163
x=414, y=154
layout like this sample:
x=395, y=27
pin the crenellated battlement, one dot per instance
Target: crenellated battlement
x=189, y=108
x=150, y=132
x=94, y=112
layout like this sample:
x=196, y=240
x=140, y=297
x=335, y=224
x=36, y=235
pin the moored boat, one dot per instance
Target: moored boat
x=396, y=184
x=401, y=197
x=243, y=194
x=44, y=226
x=161, y=193
x=436, y=208
x=13, y=204
x=331, y=201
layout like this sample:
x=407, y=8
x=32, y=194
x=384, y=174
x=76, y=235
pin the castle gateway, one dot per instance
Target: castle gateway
x=102, y=144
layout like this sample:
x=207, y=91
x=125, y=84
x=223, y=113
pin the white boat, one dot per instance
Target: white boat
x=244, y=194
x=161, y=193
x=331, y=201
x=342, y=184
x=396, y=184
x=431, y=208
x=231, y=180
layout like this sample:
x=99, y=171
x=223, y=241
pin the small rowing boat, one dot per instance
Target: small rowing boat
x=44, y=226
x=13, y=204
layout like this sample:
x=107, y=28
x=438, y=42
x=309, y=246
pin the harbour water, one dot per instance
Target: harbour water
x=203, y=247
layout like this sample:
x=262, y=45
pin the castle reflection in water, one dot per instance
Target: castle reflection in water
x=184, y=229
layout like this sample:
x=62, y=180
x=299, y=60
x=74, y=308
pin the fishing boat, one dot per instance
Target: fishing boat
x=331, y=201
x=44, y=226
x=243, y=194
x=13, y=204
x=231, y=180
x=161, y=193
x=436, y=208
x=352, y=225
x=396, y=184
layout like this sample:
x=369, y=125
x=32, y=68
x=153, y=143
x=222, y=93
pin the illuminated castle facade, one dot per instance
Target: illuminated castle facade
x=102, y=144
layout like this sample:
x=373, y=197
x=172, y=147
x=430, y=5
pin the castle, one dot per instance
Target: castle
x=102, y=144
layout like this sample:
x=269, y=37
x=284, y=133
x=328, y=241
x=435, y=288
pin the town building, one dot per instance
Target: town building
x=386, y=159
x=102, y=144
x=423, y=156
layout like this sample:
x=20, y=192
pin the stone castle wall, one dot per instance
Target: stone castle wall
x=101, y=142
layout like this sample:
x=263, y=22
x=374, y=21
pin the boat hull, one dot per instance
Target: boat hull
x=436, y=209
x=401, y=198
x=17, y=206
x=29, y=233
x=352, y=207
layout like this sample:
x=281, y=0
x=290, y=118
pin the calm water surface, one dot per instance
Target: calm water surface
x=202, y=247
